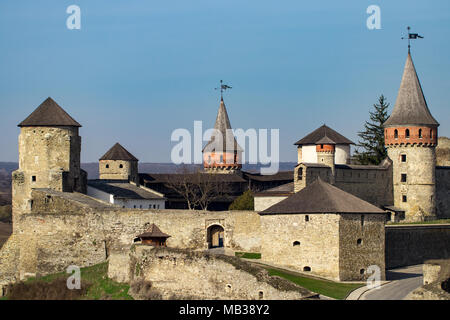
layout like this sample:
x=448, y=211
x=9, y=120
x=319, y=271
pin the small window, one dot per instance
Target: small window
x=134, y=206
x=140, y=206
x=404, y=198
x=120, y=166
x=420, y=133
x=154, y=206
x=307, y=269
x=359, y=242
x=403, y=157
x=362, y=271
x=362, y=220
x=306, y=218
x=296, y=243
x=396, y=134
x=33, y=178
x=261, y=295
x=407, y=133
x=107, y=166
x=221, y=158
x=321, y=146
x=300, y=173
x=403, y=177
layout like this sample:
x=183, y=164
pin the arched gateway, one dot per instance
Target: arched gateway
x=215, y=236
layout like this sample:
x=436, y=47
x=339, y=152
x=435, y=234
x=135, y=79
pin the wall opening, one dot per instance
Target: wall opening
x=215, y=236
x=396, y=134
x=306, y=269
x=361, y=271
x=403, y=177
x=261, y=295
x=33, y=179
x=107, y=166
x=359, y=242
x=420, y=133
x=296, y=243
x=407, y=133
x=306, y=218
x=404, y=198
x=120, y=166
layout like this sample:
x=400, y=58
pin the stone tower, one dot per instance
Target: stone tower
x=222, y=154
x=325, y=149
x=119, y=164
x=49, y=155
x=411, y=138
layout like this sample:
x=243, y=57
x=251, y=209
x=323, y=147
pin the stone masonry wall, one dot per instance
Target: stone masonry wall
x=443, y=192
x=414, y=244
x=318, y=242
x=355, y=256
x=184, y=274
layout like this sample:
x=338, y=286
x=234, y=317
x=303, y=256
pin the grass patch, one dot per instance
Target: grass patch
x=98, y=285
x=248, y=255
x=440, y=221
x=327, y=288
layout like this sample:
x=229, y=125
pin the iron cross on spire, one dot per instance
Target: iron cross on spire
x=222, y=88
x=412, y=36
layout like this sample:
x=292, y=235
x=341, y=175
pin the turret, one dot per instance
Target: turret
x=222, y=155
x=49, y=155
x=411, y=138
x=118, y=164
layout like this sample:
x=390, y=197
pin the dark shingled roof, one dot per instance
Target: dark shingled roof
x=222, y=125
x=322, y=197
x=117, y=152
x=49, y=114
x=323, y=135
x=279, y=176
x=411, y=107
x=284, y=189
x=153, y=232
x=121, y=189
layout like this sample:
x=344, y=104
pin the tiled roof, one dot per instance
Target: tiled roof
x=322, y=197
x=123, y=190
x=117, y=152
x=153, y=232
x=410, y=107
x=326, y=133
x=49, y=114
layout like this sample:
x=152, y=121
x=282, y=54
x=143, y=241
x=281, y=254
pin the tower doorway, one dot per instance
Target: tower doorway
x=215, y=236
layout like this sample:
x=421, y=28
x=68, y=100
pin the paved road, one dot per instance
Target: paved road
x=404, y=281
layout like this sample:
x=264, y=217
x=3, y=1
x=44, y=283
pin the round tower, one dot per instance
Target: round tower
x=49, y=155
x=119, y=164
x=222, y=154
x=411, y=135
x=325, y=149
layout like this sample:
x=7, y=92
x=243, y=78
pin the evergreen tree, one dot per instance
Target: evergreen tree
x=243, y=202
x=372, y=138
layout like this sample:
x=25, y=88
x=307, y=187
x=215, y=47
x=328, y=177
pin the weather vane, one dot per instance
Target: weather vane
x=412, y=36
x=222, y=88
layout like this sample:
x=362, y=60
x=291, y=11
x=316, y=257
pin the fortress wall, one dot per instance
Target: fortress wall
x=177, y=274
x=443, y=192
x=62, y=231
x=413, y=244
x=371, y=185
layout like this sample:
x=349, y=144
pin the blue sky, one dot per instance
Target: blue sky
x=138, y=69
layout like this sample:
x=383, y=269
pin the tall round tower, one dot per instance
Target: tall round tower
x=411, y=137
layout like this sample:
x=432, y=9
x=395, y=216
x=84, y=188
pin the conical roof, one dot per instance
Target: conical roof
x=411, y=107
x=322, y=197
x=222, y=125
x=153, y=232
x=324, y=135
x=49, y=114
x=117, y=152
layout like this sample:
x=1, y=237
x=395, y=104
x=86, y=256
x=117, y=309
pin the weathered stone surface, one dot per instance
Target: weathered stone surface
x=195, y=275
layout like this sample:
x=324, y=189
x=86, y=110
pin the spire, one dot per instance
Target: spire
x=222, y=125
x=49, y=114
x=411, y=107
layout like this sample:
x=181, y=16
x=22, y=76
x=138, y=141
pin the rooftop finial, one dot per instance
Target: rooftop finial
x=413, y=36
x=222, y=88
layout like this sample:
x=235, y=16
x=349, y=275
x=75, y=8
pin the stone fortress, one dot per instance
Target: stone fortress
x=330, y=221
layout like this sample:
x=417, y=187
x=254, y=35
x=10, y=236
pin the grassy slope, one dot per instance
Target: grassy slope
x=327, y=288
x=101, y=287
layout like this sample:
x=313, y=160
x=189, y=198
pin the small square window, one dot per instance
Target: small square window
x=403, y=177
x=33, y=178
x=404, y=198
x=306, y=218
x=403, y=157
